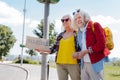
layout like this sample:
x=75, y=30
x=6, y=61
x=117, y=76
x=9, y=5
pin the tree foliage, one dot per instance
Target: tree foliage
x=52, y=32
x=7, y=40
x=31, y=52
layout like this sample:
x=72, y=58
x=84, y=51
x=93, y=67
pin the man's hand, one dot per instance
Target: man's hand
x=80, y=54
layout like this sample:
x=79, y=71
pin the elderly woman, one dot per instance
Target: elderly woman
x=65, y=46
x=92, y=46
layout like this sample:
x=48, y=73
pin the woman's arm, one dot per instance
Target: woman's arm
x=47, y=50
x=80, y=54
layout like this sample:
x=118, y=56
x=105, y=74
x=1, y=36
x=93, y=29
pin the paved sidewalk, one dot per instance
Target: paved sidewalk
x=34, y=72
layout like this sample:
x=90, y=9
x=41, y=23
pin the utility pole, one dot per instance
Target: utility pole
x=45, y=35
x=22, y=45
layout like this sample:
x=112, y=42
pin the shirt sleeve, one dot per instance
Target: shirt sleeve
x=55, y=47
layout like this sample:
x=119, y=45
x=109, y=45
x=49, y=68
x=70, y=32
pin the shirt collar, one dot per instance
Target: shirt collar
x=83, y=29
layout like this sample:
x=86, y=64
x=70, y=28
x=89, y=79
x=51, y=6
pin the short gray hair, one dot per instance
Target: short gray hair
x=67, y=15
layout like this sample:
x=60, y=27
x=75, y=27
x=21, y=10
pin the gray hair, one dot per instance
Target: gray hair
x=67, y=15
x=84, y=14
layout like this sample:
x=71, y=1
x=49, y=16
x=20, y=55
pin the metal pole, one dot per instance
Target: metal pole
x=46, y=36
x=24, y=10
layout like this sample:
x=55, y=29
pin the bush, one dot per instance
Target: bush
x=116, y=63
x=33, y=62
x=19, y=61
x=26, y=61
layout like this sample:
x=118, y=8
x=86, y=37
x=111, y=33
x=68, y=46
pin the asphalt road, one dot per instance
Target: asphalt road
x=8, y=72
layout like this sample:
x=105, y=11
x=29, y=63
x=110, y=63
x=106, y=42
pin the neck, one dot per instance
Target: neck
x=69, y=30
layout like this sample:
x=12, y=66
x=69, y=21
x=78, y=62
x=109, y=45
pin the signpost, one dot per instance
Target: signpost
x=37, y=43
x=46, y=35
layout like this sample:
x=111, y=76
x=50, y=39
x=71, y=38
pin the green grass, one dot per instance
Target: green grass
x=52, y=64
x=112, y=72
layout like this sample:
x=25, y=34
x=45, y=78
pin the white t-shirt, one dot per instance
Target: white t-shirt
x=86, y=57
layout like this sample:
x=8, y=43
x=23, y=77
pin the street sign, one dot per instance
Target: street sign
x=37, y=43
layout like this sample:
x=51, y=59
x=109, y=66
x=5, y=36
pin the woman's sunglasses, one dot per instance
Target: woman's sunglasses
x=65, y=20
x=76, y=12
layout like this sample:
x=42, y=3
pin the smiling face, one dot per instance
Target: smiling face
x=66, y=21
x=79, y=20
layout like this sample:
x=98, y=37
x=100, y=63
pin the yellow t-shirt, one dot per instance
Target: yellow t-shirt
x=66, y=50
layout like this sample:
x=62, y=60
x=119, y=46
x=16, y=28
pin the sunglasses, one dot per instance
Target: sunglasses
x=65, y=20
x=76, y=12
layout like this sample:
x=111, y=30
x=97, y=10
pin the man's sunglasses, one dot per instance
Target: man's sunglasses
x=76, y=12
x=65, y=20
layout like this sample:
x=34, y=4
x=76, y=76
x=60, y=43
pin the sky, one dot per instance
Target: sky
x=106, y=12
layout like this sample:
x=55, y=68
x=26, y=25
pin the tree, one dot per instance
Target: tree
x=31, y=52
x=52, y=33
x=7, y=40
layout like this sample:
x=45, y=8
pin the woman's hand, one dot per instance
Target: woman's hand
x=80, y=54
x=42, y=51
x=75, y=55
x=38, y=50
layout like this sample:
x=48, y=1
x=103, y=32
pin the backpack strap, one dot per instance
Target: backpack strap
x=93, y=29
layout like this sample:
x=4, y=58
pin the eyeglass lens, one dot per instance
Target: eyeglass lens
x=65, y=20
x=76, y=12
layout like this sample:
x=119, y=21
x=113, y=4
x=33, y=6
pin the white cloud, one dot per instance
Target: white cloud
x=104, y=20
x=9, y=15
x=13, y=17
x=58, y=26
x=32, y=23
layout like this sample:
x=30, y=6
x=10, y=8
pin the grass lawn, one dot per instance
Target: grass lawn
x=112, y=72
